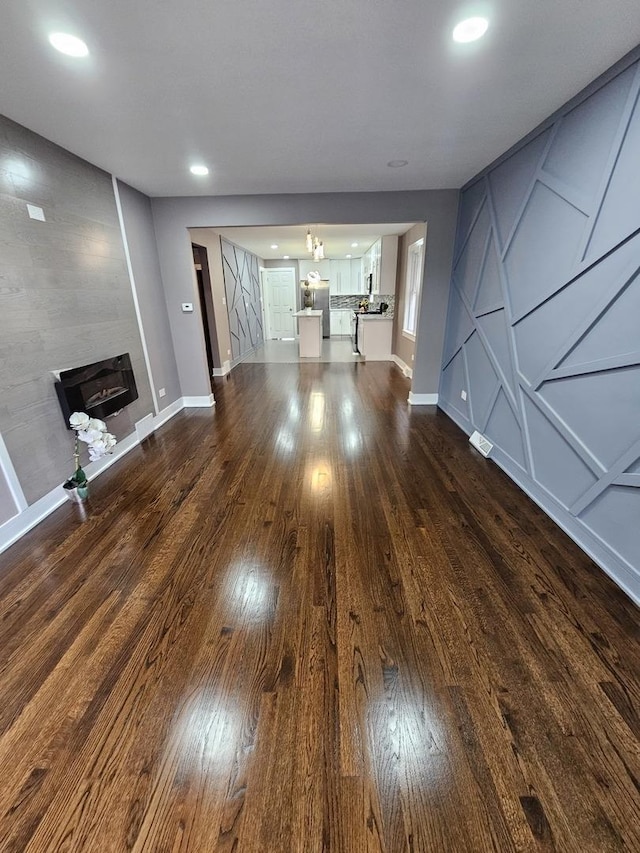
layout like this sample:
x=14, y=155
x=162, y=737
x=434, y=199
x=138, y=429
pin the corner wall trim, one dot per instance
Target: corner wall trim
x=423, y=399
x=402, y=365
x=6, y=466
x=199, y=402
x=134, y=293
x=16, y=527
x=222, y=371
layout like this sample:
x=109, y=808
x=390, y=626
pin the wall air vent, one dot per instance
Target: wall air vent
x=481, y=443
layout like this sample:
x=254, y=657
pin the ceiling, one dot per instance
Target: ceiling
x=291, y=239
x=296, y=97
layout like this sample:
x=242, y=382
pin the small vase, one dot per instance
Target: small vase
x=76, y=494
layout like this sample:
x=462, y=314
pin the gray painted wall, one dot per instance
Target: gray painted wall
x=403, y=346
x=173, y=216
x=241, y=271
x=143, y=254
x=543, y=325
x=65, y=299
x=210, y=240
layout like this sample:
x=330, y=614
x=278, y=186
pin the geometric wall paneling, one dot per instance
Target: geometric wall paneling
x=503, y=430
x=470, y=261
x=468, y=213
x=493, y=331
x=613, y=517
x=615, y=474
x=460, y=328
x=601, y=409
x=489, y=295
x=550, y=322
x=552, y=373
x=482, y=379
x=511, y=184
x=242, y=289
x=454, y=381
x=617, y=333
x=556, y=466
x=592, y=293
x=581, y=148
x=542, y=256
x=635, y=468
x=618, y=213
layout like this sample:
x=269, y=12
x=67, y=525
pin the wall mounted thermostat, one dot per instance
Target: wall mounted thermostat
x=187, y=307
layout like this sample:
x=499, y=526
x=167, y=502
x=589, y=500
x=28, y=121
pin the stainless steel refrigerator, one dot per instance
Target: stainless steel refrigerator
x=320, y=296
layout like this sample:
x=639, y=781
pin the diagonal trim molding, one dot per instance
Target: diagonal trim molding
x=566, y=427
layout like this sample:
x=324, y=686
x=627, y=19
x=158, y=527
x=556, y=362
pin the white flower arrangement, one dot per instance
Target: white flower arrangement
x=93, y=432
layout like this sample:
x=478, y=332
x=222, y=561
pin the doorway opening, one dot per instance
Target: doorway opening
x=201, y=264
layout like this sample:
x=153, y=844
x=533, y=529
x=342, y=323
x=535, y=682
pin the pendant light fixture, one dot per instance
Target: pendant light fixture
x=315, y=246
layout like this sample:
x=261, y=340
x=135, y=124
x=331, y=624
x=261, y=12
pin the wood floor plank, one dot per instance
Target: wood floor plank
x=313, y=619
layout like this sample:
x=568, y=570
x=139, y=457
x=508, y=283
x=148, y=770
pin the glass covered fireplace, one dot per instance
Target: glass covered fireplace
x=99, y=389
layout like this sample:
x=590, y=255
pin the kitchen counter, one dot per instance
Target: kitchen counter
x=310, y=333
x=374, y=336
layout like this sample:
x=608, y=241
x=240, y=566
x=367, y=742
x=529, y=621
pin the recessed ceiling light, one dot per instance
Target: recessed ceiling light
x=274, y=245
x=199, y=170
x=397, y=164
x=470, y=30
x=348, y=256
x=285, y=257
x=71, y=45
x=354, y=245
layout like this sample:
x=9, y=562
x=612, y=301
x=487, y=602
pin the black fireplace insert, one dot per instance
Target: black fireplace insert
x=98, y=389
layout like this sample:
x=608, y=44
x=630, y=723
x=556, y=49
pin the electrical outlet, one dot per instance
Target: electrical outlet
x=161, y=392
x=228, y=352
x=224, y=301
x=411, y=356
x=463, y=394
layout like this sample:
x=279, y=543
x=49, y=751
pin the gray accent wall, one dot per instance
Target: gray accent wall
x=143, y=254
x=543, y=330
x=65, y=299
x=241, y=271
x=173, y=216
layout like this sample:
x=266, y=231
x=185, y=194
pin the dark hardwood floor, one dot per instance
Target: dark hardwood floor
x=313, y=619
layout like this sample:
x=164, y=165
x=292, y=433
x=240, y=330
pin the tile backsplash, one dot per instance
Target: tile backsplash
x=350, y=301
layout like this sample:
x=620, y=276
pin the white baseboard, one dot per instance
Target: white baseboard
x=222, y=371
x=402, y=365
x=199, y=402
x=144, y=427
x=166, y=414
x=32, y=515
x=423, y=399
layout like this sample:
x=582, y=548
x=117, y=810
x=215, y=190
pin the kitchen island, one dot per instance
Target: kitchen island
x=373, y=336
x=310, y=333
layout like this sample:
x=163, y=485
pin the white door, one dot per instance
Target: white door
x=280, y=300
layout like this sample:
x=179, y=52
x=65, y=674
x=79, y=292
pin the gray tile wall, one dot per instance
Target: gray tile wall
x=544, y=317
x=65, y=299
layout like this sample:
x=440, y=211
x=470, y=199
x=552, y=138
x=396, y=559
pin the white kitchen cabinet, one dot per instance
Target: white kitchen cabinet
x=340, y=322
x=388, y=265
x=323, y=267
x=374, y=337
x=357, y=285
x=340, y=278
